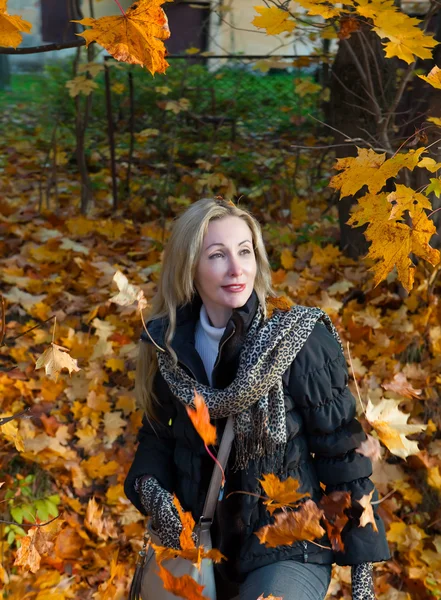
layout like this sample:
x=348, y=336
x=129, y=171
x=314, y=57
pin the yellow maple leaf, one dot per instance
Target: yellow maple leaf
x=392, y=427
x=287, y=260
x=81, y=85
x=322, y=9
x=371, y=169
x=54, y=359
x=405, y=198
x=435, y=120
x=426, y=162
x=367, y=516
x=274, y=20
x=434, y=78
x=407, y=39
x=135, y=37
x=392, y=241
x=280, y=493
x=11, y=27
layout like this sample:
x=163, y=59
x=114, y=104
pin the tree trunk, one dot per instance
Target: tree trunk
x=362, y=84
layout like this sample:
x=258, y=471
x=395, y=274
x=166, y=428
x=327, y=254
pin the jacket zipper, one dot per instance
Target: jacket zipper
x=220, y=349
x=305, y=552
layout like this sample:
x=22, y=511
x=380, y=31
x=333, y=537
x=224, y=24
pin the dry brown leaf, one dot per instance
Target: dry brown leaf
x=334, y=506
x=368, y=513
x=54, y=359
x=293, y=526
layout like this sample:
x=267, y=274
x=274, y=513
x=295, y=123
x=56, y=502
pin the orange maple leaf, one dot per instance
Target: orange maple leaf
x=134, y=37
x=188, y=523
x=185, y=586
x=334, y=506
x=293, y=526
x=201, y=420
x=280, y=493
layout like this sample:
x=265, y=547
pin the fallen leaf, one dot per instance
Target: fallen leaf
x=200, y=418
x=391, y=426
x=334, y=506
x=280, y=493
x=367, y=515
x=185, y=586
x=54, y=359
x=293, y=526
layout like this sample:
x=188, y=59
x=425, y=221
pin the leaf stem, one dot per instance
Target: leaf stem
x=217, y=462
x=120, y=7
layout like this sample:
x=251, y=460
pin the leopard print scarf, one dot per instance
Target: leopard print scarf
x=255, y=397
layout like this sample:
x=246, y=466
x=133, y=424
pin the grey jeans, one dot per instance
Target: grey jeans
x=289, y=579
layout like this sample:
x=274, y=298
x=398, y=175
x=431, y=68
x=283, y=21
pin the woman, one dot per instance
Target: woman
x=285, y=381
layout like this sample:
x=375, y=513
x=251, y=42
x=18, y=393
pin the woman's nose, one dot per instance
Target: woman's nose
x=235, y=267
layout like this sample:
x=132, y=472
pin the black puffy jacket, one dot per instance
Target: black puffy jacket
x=322, y=436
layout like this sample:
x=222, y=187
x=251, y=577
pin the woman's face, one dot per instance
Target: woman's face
x=226, y=269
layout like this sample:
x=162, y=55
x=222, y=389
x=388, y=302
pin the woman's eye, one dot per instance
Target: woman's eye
x=246, y=250
x=215, y=255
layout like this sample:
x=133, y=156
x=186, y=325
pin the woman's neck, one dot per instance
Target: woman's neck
x=218, y=316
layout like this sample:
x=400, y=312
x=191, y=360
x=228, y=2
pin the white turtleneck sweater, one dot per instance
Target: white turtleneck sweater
x=207, y=340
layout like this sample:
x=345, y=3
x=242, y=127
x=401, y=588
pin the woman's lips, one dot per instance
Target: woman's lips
x=234, y=288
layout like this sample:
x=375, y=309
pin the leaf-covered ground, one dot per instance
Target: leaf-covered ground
x=70, y=453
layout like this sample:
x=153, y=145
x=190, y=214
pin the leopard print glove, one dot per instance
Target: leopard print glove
x=158, y=504
x=362, y=582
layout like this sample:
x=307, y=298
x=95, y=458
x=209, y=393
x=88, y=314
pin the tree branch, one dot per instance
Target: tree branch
x=43, y=48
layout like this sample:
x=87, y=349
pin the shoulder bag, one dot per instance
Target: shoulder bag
x=146, y=583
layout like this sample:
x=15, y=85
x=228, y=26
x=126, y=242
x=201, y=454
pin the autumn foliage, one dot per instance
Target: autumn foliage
x=69, y=420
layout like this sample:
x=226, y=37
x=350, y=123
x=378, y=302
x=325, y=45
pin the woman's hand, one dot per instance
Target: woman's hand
x=362, y=582
x=158, y=503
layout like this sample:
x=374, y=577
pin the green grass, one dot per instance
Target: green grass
x=26, y=89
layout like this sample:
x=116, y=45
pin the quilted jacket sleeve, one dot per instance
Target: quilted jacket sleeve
x=319, y=385
x=154, y=454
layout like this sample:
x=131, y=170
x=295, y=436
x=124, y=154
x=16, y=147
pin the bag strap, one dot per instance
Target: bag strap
x=216, y=478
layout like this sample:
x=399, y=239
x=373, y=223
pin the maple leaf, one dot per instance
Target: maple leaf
x=94, y=521
x=280, y=493
x=188, y=523
x=293, y=526
x=185, y=586
x=428, y=163
x=392, y=241
x=434, y=77
x=54, y=359
x=371, y=169
x=322, y=9
x=81, y=85
x=200, y=418
x=371, y=448
x=391, y=427
x=347, y=26
x=274, y=20
x=128, y=293
x=11, y=27
x=334, y=506
x=401, y=386
x=37, y=543
x=405, y=198
x=434, y=186
x=367, y=515
x=135, y=37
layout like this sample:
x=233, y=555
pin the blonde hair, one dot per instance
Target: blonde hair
x=176, y=282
